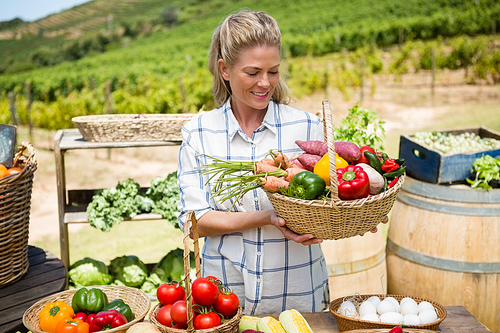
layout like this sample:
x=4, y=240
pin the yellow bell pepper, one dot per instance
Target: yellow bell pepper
x=52, y=313
x=322, y=167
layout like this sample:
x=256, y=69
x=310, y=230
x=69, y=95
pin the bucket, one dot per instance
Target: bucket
x=444, y=244
x=356, y=265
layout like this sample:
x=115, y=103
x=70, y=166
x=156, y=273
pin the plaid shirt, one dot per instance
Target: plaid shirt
x=268, y=272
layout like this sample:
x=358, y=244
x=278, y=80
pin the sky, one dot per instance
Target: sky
x=32, y=10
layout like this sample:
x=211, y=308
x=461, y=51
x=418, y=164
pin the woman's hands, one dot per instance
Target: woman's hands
x=306, y=239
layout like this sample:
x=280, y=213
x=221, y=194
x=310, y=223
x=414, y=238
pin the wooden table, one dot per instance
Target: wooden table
x=46, y=275
x=458, y=319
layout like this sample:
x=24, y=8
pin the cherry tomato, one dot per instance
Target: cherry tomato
x=178, y=312
x=163, y=316
x=204, y=292
x=81, y=315
x=227, y=304
x=169, y=293
x=363, y=158
x=206, y=320
x=396, y=329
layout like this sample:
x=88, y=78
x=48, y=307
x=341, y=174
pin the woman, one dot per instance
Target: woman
x=269, y=267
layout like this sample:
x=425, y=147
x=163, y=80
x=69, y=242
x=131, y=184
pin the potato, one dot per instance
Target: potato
x=348, y=151
x=143, y=327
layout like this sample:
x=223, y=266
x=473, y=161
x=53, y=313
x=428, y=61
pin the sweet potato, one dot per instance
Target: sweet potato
x=296, y=163
x=348, y=151
x=313, y=147
x=309, y=160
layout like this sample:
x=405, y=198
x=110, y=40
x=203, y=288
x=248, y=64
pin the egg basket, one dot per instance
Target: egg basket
x=229, y=326
x=139, y=303
x=346, y=323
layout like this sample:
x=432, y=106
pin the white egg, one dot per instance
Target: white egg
x=371, y=317
x=412, y=319
x=367, y=307
x=395, y=302
x=407, y=299
x=374, y=299
x=385, y=306
x=392, y=318
x=424, y=305
x=409, y=308
x=348, y=309
x=428, y=316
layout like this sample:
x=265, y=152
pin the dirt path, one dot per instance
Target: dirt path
x=405, y=105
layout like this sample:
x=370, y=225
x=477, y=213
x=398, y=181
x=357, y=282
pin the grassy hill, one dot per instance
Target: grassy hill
x=163, y=70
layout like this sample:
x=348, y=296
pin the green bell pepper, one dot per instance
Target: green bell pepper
x=89, y=300
x=306, y=185
x=122, y=307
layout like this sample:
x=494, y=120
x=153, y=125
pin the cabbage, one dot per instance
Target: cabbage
x=89, y=272
x=129, y=271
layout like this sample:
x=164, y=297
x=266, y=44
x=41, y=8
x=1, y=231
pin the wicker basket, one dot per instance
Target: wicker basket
x=229, y=326
x=346, y=323
x=139, y=303
x=335, y=218
x=126, y=127
x=15, y=204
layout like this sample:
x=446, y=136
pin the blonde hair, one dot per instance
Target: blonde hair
x=239, y=31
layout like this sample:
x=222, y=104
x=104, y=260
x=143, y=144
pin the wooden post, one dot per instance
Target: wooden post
x=28, y=109
x=12, y=107
x=433, y=65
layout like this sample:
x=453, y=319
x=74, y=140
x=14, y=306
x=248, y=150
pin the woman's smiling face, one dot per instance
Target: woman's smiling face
x=253, y=77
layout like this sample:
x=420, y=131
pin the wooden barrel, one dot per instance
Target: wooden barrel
x=356, y=265
x=444, y=244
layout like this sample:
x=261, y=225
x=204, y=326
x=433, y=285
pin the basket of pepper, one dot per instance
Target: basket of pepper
x=348, y=210
x=98, y=308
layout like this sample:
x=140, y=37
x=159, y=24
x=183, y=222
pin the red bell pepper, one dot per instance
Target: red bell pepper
x=353, y=183
x=106, y=320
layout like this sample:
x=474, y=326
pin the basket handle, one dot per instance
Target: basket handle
x=328, y=132
x=190, y=230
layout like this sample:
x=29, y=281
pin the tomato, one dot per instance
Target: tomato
x=206, y=320
x=178, y=312
x=396, y=329
x=169, y=293
x=227, y=304
x=214, y=280
x=3, y=169
x=11, y=171
x=204, y=292
x=363, y=158
x=163, y=316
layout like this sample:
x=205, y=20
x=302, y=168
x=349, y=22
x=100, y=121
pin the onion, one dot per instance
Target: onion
x=376, y=179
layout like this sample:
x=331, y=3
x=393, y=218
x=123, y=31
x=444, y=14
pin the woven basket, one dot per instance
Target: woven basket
x=334, y=218
x=229, y=326
x=15, y=204
x=346, y=323
x=125, y=127
x=139, y=303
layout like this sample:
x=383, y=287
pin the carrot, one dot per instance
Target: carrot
x=309, y=160
x=268, y=160
x=292, y=172
x=273, y=183
x=261, y=167
x=313, y=147
x=280, y=159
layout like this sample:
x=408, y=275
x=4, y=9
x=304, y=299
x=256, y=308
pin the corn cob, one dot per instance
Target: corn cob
x=293, y=322
x=248, y=323
x=269, y=325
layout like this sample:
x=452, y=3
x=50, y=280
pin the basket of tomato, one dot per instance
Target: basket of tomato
x=203, y=306
x=109, y=308
x=16, y=184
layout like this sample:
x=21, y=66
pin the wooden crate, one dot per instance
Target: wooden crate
x=435, y=167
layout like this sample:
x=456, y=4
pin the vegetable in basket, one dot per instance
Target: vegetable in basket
x=353, y=183
x=52, y=313
x=107, y=320
x=128, y=270
x=89, y=272
x=72, y=325
x=122, y=307
x=89, y=300
x=305, y=185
